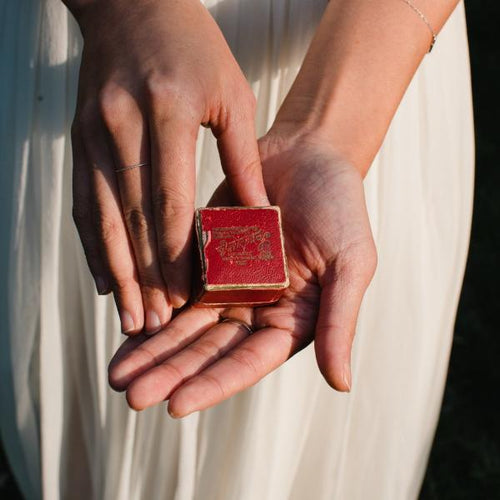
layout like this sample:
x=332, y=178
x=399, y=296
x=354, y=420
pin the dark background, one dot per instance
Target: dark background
x=465, y=458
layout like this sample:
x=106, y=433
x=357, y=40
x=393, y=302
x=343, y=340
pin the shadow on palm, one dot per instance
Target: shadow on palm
x=197, y=362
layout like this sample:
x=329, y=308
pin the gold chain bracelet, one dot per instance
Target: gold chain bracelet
x=425, y=20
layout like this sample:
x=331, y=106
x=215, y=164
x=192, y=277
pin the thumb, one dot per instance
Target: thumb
x=239, y=153
x=343, y=286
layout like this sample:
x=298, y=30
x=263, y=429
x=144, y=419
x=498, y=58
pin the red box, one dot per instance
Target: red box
x=241, y=256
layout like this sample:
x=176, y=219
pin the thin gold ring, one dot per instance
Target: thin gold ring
x=130, y=167
x=246, y=326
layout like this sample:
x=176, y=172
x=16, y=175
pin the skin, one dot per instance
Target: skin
x=318, y=151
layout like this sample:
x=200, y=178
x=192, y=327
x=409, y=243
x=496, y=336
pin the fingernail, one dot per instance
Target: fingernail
x=346, y=376
x=172, y=413
x=118, y=378
x=176, y=414
x=153, y=323
x=101, y=285
x=177, y=300
x=127, y=322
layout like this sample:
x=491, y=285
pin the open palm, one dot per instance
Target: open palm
x=197, y=361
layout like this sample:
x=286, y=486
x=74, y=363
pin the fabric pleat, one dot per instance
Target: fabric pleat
x=290, y=437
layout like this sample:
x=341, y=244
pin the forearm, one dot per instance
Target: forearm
x=356, y=71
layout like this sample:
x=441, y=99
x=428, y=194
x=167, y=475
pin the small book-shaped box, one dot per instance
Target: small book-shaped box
x=241, y=256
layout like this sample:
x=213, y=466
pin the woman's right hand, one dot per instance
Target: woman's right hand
x=151, y=73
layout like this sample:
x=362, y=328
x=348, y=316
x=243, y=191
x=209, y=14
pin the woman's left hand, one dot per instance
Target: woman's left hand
x=197, y=362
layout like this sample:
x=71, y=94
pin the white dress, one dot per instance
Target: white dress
x=291, y=437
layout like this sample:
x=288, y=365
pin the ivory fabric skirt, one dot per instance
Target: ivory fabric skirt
x=68, y=435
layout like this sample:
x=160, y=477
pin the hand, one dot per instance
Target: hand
x=197, y=362
x=151, y=73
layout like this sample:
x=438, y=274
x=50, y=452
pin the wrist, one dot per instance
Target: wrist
x=317, y=132
x=104, y=15
x=355, y=73
x=285, y=149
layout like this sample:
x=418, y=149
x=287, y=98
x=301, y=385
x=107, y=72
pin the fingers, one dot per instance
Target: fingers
x=173, y=145
x=111, y=231
x=239, y=153
x=159, y=382
x=343, y=286
x=130, y=144
x=82, y=214
x=136, y=357
x=251, y=360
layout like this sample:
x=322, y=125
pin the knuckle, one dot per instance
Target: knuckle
x=166, y=96
x=245, y=170
x=207, y=349
x=249, y=360
x=150, y=282
x=137, y=222
x=171, y=204
x=147, y=354
x=109, y=227
x=214, y=383
x=122, y=285
x=174, y=215
x=161, y=89
x=114, y=105
x=170, y=373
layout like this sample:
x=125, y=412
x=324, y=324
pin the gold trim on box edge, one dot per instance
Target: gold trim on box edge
x=282, y=237
x=249, y=286
x=234, y=304
x=267, y=207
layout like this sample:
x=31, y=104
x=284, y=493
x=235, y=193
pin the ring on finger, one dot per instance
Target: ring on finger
x=246, y=326
x=130, y=167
